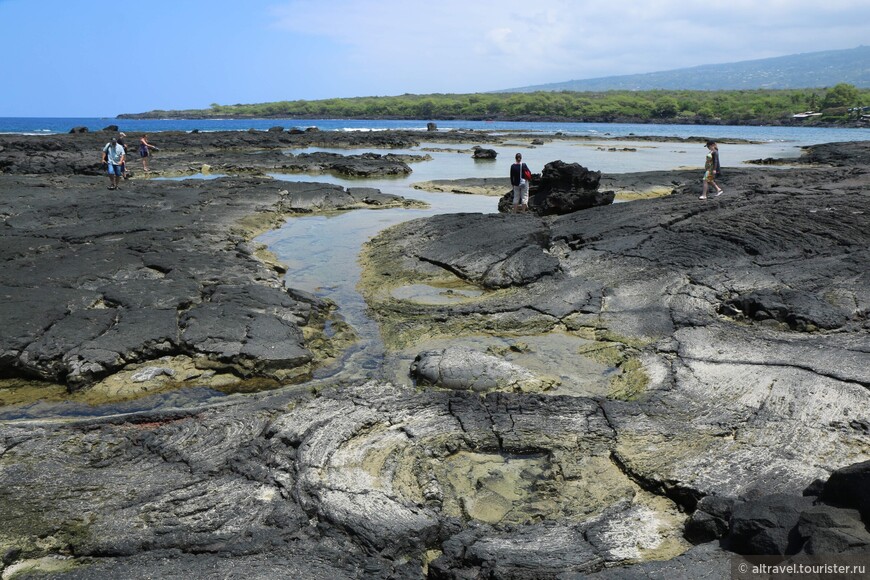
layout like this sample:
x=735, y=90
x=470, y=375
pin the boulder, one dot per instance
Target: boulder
x=112, y=128
x=467, y=369
x=562, y=188
x=431, y=127
x=568, y=187
x=276, y=129
x=848, y=488
x=710, y=520
x=481, y=153
x=830, y=530
x=560, y=176
x=767, y=526
x=79, y=130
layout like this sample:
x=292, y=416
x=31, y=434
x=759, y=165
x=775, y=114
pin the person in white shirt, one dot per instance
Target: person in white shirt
x=115, y=156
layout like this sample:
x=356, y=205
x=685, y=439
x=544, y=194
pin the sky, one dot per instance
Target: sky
x=89, y=58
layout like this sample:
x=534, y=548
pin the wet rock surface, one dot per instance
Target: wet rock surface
x=722, y=430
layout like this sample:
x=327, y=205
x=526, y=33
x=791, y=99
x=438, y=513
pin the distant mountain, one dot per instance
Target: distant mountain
x=797, y=71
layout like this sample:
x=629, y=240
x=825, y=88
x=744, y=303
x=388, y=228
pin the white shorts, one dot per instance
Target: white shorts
x=521, y=193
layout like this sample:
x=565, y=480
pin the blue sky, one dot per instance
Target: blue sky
x=65, y=58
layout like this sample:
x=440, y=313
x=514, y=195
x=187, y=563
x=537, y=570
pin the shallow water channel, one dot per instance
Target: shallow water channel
x=321, y=253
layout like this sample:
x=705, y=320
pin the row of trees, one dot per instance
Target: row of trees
x=756, y=106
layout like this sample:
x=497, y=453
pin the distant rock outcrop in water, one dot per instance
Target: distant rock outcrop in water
x=482, y=153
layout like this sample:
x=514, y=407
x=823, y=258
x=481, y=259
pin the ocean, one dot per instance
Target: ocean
x=799, y=136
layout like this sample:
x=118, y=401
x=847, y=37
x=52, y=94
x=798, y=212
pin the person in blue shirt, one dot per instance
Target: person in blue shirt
x=114, y=156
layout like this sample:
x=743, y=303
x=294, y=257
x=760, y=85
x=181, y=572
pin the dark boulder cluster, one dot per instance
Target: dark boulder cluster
x=562, y=188
x=832, y=517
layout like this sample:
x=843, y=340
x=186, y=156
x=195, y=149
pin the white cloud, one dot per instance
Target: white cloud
x=465, y=46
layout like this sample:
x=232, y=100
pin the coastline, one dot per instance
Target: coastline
x=800, y=134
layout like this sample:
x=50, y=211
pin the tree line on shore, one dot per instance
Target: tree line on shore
x=842, y=103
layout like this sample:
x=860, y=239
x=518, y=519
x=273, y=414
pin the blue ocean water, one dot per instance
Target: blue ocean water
x=797, y=135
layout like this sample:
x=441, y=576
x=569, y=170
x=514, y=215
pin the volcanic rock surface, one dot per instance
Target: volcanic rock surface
x=95, y=280
x=738, y=416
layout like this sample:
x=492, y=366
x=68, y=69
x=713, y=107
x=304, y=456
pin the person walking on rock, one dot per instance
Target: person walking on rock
x=520, y=177
x=115, y=156
x=710, y=170
x=145, y=151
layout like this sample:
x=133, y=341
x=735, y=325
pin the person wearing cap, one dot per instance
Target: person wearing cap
x=114, y=156
x=711, y=167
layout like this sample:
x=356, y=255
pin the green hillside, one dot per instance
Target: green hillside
x=726, y=107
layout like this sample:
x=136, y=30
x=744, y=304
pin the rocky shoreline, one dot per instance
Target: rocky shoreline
x=249, y=152
x=733, y=414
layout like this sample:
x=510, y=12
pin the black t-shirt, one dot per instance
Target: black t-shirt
x=517, y=170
